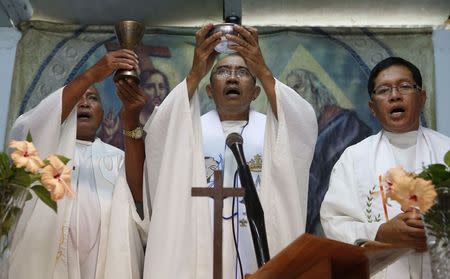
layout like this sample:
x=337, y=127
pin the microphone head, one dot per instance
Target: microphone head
x=234, y=138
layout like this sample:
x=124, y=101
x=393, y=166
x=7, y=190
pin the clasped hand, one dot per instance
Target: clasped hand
x=405, y=229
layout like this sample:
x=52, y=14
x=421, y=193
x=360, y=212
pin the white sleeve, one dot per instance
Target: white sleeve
x=288, y=150
x=126, y=235
x=44, y=124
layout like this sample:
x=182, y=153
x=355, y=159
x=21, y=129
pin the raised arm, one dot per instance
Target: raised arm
x=204, y=55
x=247, y=46
x=72, y=93
x=133, y=100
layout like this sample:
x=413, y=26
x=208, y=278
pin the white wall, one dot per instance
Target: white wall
x=8, y=42
x=441, y=41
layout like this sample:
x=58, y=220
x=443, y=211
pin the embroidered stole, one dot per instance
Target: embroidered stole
x=219, y=156
x=382, y=159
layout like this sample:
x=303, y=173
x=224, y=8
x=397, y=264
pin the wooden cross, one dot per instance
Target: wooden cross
x=144, y=52
x=218, y=193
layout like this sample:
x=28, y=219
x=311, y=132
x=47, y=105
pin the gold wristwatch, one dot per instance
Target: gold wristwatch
x=137, y=133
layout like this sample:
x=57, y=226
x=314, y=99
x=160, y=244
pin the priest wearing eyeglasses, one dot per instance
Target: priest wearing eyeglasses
x=183, y=148
x=351, y=209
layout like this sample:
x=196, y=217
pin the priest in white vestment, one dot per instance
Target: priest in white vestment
x=183, y=150
x=84, y=239
x=353, y=208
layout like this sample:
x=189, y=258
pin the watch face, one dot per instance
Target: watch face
x=135, y=134
x=138, y=133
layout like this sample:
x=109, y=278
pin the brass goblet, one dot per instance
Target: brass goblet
x=129, y=33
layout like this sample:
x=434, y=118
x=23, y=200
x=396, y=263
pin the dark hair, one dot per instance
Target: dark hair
x=388, y=62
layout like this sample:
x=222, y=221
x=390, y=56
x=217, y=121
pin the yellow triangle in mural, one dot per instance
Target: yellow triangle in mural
x=302, y=59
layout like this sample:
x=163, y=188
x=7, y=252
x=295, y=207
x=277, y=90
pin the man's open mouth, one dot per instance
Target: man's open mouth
x=232, y=92
x=397, y=111
x=84, y=115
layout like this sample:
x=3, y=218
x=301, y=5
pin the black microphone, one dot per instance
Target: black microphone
x=255, y=212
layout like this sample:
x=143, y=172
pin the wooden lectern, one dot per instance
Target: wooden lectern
x=311, y=257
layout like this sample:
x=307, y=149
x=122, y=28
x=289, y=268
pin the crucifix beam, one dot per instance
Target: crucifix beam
x=218, y=193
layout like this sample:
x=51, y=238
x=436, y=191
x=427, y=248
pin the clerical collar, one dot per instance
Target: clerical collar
x=233, y=123
x=402, y=140
x=84, y=142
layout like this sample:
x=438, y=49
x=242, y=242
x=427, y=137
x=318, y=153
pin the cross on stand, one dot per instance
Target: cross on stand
x=218, y=193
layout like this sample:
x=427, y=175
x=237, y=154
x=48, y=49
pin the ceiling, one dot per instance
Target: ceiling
x=386, y=13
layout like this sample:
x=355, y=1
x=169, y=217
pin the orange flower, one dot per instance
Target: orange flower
x=408, y=190
x=56, y=178
x=25, y=155
x=396, y=176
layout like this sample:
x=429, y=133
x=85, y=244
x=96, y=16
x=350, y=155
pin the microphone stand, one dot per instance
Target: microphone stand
x=255, y=215
x=255, y=212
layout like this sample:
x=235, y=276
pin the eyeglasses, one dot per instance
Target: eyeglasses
x=403, y=88
x=224, y=72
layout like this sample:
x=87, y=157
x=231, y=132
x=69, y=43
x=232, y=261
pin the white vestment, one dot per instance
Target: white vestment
x=219, y=156
x=45, y=243
x=180, y=233
x=352, y=211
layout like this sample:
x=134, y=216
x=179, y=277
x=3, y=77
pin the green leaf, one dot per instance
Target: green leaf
x=11, y=217
x=445, y=184
x=63, y=159
x=436, y=173
x=44, y=195
x=447, y=158
x=29, y=138
x=29, y=196
x=21, y=177
x=424, y=175
x=436, y=168
x=5, y=167
x=35, y=177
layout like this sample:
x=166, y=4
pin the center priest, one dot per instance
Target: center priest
x=180, y=143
